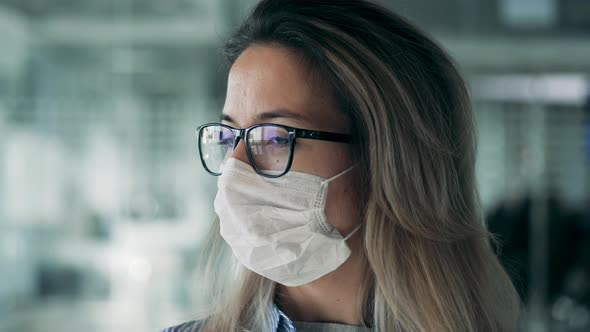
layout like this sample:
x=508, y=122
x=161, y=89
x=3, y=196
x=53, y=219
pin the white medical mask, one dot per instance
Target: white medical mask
x=277, y=227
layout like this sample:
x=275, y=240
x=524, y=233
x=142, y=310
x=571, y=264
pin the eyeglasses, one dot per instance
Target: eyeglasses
x=269, y=146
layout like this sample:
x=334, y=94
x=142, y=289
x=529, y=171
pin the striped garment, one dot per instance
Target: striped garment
x=280, y=323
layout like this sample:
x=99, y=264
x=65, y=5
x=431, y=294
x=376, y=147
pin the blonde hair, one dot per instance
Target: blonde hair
x=430, y=265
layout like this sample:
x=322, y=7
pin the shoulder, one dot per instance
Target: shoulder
x=192, y=326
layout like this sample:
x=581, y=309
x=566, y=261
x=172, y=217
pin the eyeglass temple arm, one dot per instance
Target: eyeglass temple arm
x=322, y=135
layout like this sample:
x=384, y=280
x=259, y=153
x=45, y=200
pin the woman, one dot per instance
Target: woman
x=346, y=189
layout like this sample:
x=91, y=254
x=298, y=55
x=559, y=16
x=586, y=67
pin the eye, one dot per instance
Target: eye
x=225, y=137
x=226, y=140
x=280, y=140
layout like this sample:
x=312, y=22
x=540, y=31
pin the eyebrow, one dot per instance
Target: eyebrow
x=273, y=114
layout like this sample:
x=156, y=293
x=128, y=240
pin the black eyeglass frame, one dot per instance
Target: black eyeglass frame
x=294, y=133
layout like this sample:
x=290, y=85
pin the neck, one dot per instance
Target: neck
x=335, y=297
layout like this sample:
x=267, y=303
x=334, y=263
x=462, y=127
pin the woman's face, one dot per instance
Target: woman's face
x=270, y=85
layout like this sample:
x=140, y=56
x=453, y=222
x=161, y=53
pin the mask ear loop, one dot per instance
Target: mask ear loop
x=353, y=231
x=334, y=178
x=338, y=175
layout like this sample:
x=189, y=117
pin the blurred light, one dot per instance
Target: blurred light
x=13, y=245
x=140, y=270
x=34, y=176
x=562, y=307
x=567, y=310
x=107, y=174
x=528, y=13
x=16, y=36
x=568, y=89
x=579, y=317
x=142, y=206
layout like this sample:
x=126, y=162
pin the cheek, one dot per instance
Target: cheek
x=321, y=158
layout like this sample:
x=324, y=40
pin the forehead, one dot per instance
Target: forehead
x=268, y=78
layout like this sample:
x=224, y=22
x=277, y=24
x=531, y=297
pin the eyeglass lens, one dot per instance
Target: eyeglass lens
x=270, y=148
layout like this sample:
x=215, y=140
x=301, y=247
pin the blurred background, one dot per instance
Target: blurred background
x=104, y=204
